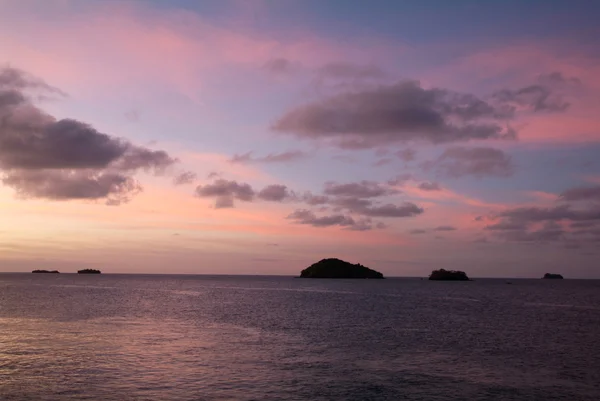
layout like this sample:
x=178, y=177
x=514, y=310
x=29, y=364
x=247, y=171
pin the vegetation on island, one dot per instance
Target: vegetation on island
x=553, y=276
x=45, y=271
x=336, y=268
x=88, y=271
x=448, y=275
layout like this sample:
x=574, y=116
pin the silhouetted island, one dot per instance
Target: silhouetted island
x=336, y=268
x=448, y=275
x=553, y=276
x=45, y=271
x=88, y=271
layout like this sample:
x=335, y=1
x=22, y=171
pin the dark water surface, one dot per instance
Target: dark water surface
x=137, y=337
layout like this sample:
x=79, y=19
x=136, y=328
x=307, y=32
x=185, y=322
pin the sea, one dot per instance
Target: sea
x=175, y=337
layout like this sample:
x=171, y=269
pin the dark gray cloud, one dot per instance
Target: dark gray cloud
x=361, y=189
x=304, y=216
x=396, y=113
x=345, y=199
x=187, y=177
x=43, y=157
x=224, y=202
x=582, y=193
x=67, y=144
x=417, y=231
x=430, y=186
x=407, y=209
x=138, y=158
x=445, y=228
x=246, y=158
x=350, y=71
x=275, y=193
x=479, y=162
x=65, y=185
x=366, y=207
x=225, y=191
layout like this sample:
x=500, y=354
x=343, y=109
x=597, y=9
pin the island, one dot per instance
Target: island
x=88, y=271
x=448, y=275
x=45, y=271
x=336, y=268
x=553, y=276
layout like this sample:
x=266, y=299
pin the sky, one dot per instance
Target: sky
x=258, y=137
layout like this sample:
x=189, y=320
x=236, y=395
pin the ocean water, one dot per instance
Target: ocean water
x=143, y=337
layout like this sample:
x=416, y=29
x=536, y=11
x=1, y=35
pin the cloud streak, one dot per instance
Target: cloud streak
x=284, y=157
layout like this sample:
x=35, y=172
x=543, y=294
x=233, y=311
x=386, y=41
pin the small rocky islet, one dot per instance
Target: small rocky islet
x=337, y=268
x=88, y=271
x=448, y=275
x=553, y=276
x=45, y=271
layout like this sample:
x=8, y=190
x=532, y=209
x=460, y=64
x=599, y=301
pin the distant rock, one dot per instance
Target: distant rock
x=88, y=271
x=448, y=275
x=45, y=271
x=553, y=276
x=336, y=268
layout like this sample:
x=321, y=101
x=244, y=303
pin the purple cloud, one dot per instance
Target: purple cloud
x=362, y=189
x=42, y=157
x=479, y=162
x=275, y=193
x=304, y=216
x=395, y=113
x=225, y=192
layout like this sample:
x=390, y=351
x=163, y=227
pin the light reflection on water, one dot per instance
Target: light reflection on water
x=226, y=338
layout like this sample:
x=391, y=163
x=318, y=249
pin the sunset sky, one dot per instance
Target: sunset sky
x=257, y=137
